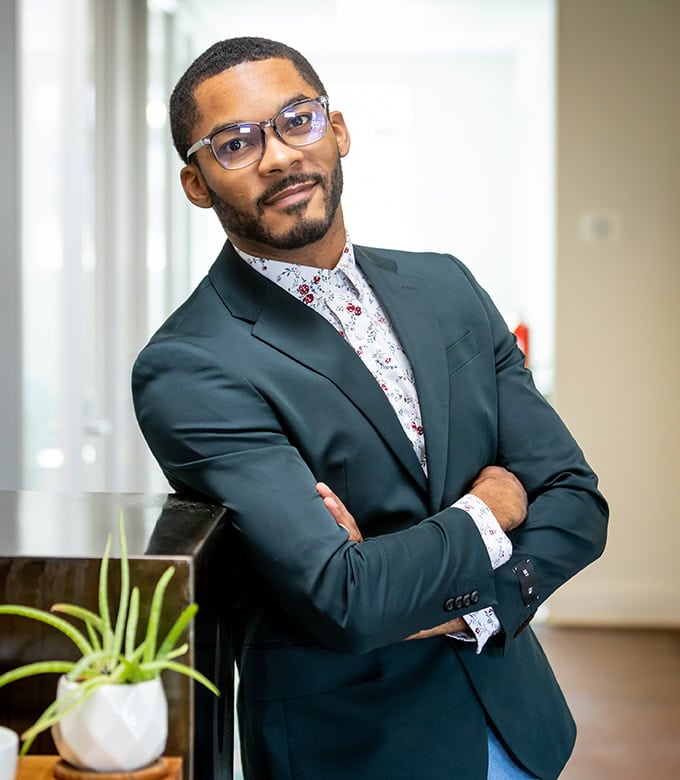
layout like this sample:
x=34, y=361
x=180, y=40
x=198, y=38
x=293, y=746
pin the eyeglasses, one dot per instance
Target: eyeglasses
x=299, y=124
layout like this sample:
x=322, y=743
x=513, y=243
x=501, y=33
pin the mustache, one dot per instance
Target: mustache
x=293, y=180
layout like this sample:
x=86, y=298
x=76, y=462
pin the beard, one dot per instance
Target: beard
x=304, y=231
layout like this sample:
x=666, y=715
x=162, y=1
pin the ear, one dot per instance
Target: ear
x=341, y=132
x=194, y=186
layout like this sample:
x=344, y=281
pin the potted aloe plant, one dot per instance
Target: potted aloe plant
x=110, y=712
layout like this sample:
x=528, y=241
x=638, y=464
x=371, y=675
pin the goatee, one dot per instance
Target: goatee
x=304, y=231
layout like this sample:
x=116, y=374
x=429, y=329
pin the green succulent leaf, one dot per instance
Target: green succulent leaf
x=38, y=667
x=155, y=613
x=88, y=617
x=173, y=635
x=124, y=589
x=176, y=653
x=159, y=666
x=95, y=639
x=60, y=624
x=100, y=662
x=107, y=633
x=133, y=617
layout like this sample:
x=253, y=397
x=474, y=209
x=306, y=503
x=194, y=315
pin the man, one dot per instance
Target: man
x=366, y=417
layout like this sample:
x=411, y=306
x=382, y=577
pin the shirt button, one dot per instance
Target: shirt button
x=360, y=334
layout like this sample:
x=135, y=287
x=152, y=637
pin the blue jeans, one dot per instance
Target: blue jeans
x=501, y=766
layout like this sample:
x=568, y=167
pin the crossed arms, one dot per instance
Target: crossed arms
x=500, y=490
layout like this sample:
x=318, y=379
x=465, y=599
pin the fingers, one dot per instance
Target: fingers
x=342, y=516
x=494, y=473
x=504, y=494
x=454, y=626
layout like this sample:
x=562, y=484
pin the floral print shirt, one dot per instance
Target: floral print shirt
x=344, y=297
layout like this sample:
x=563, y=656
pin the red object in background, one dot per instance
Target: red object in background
x=522, y=334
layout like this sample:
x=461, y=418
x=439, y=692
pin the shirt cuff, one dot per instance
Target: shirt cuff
x=497, y=544
x=484, y=624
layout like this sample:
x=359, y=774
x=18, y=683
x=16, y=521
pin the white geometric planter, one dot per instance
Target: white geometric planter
x=119, y=727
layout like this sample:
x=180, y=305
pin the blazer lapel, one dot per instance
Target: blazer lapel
x=412, y=315
x=306, y=337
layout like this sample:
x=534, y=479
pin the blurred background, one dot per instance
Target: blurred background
x=537, y=140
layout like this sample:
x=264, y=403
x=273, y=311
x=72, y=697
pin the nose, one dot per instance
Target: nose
x=278, y=156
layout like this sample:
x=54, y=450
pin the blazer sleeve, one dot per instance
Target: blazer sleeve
x=214, y=434
x=567, y=519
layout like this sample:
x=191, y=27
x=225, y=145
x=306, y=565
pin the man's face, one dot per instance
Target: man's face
x=290, y=197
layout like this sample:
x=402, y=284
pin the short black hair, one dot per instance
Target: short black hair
x=220, y=57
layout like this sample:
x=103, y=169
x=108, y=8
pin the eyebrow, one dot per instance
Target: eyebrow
x=284, y=103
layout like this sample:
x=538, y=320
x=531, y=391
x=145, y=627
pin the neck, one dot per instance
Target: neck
x=324, y=253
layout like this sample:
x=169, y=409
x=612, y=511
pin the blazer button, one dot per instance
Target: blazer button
x=458, y=602
x=449, y=605
x=466, y=600
x=474, y=597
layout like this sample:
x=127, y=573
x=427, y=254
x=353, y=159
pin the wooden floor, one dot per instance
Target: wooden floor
x=623, y=687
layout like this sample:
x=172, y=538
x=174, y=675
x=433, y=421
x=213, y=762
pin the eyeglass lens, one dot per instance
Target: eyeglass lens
x=243, y=144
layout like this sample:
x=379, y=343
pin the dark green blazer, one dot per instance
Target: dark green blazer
x=248, y=397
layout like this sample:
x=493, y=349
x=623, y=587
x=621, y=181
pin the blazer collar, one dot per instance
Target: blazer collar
x=293, y=328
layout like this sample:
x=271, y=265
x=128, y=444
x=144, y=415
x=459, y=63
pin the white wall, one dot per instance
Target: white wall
x=618, y=314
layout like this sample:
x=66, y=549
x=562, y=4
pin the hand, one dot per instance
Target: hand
x=451, y=627
x=339, y=511
x=503, y=493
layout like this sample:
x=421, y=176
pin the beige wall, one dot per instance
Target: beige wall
x=618, y=297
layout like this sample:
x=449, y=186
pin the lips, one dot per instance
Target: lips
x=289, y=192
x=291, y=195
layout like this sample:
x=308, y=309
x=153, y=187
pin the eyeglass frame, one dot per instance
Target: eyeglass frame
x=207, y=141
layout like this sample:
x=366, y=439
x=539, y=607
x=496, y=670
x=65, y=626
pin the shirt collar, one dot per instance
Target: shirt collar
x=290, y=275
